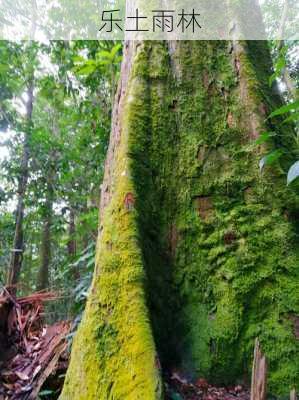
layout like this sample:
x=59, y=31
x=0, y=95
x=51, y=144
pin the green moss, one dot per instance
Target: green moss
x=207, y=260
x=214, y=283
x=114, y=354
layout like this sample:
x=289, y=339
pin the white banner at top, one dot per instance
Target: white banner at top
x=149, y=19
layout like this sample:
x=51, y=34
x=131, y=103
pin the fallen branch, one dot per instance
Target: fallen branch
x=31, y=350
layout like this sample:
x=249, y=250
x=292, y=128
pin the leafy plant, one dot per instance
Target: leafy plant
x=293, y=106
x=291, y=109
x=270, y=158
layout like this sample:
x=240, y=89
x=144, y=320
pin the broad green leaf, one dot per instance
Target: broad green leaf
x=292, y=118
x=86, y=70
x=118, y=59
x=293, y=172
x=264, y=137
x=3, y=68
x=115, y=50
x=176, y=396
x=280, y=65
x=270, y=158
x=104, y=62
x=272, y=78
x=103, y=54
x=79, y=58
x=45, y=392
x=285, y=109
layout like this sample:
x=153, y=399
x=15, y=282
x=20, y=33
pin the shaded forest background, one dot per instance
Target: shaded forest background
x=55, y=111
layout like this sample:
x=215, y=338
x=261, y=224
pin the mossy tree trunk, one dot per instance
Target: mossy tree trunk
x=196, y=255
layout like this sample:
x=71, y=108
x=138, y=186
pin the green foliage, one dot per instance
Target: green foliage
x=280, y=65
x=6, y=233
x=68, y=142
x=103, y=59
x=44, y=393
x=270, y=158
x=285, y=109
x=264, y=137
x=84, y=263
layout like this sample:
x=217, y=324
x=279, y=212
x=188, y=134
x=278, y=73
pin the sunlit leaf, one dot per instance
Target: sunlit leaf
x=115, y=50
x=280, y=65
x=264, y=137
x=292, y=118
x=86, y=69
x=285, y=109
x=45, y=392
x=79, y=58
x=293, y=172
x=270, y=158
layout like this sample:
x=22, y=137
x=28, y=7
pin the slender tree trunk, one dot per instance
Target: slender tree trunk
x=72, y=245
x=45, y=252
x=43, y=274
x=18, y=243
x=259, y=374
x=196, y=253
x=293, y=395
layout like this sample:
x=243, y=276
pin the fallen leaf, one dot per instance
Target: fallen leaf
x=22, y=376
x=36, y=371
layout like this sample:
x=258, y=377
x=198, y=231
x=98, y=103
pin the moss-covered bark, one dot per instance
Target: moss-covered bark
x=197, y=250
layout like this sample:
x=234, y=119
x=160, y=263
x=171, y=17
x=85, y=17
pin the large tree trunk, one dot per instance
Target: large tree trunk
x=196, y=251
x=18, y=243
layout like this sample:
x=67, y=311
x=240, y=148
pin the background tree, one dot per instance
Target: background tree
x=68, y=140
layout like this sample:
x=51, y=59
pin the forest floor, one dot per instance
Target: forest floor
x=178, y=388
x=34, y=357
x=31, y=352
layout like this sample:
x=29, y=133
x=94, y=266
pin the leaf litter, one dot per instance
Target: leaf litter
x=177, y=387
x=30, y=350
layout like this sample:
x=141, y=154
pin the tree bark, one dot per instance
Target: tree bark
x=259, y=374
x=72, y=245
x=293, y=395
x=196, y=251
x=43, y=273
x=18, y=243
